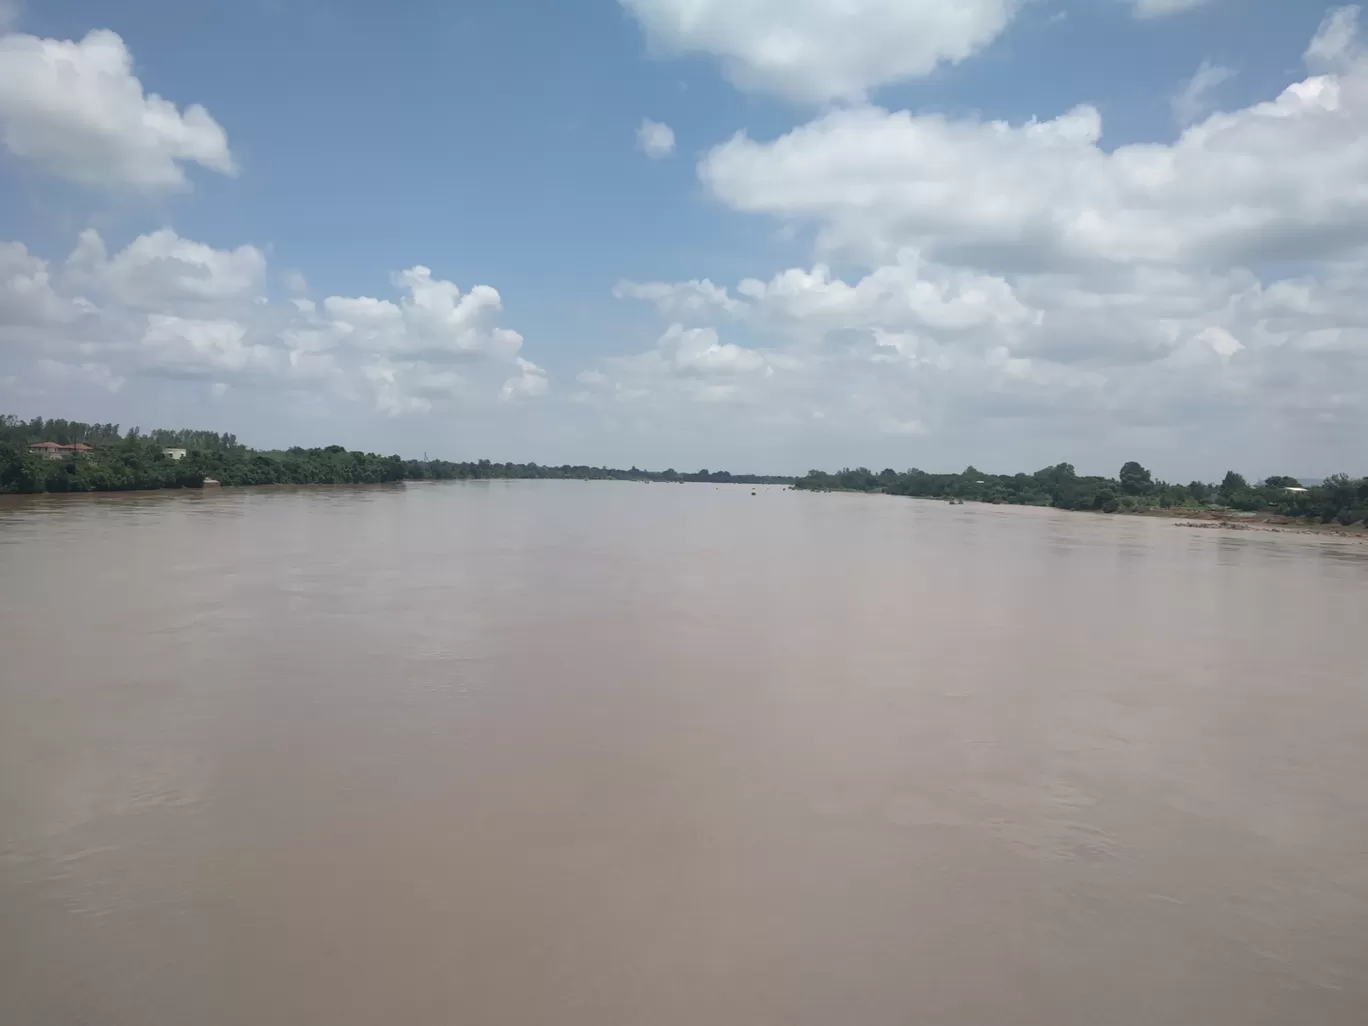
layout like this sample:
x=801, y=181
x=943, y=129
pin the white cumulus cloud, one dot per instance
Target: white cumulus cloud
x=1278, y=180
x=27, y=296
x=1032, y=365
x=176, y=310
x=76, y=109
x=909, y=291
x=191, y=347
x=655, y=139
x=434, y=321
x=161, y=268
x=700, y=351
x=818, y=50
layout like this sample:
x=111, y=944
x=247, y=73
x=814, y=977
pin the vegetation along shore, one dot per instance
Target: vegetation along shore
x=1340, y=500
x=70, y=456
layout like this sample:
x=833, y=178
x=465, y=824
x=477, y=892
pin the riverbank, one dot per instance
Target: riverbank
x=136, y=464
x=1230, y=520
x=1201, y=517
x=1335, y=505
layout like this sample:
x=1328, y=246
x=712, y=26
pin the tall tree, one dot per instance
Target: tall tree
x=1135, y=479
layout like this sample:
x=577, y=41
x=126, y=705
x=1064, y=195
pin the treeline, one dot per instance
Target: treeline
x=135, y=462
x=440, y=470
x=1339, y=499
x=23, y=433
x=183, y=439
x=125, y=465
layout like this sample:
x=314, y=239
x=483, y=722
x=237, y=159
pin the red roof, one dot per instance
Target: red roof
x=46, y=445
x=78, y=447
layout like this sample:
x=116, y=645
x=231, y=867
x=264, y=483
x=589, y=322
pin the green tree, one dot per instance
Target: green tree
x=1135, y=479
x=1233, y=484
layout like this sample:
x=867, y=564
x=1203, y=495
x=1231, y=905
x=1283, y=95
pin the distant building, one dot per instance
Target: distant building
x=1294, y=490
x=56, y=451
x=174, y=454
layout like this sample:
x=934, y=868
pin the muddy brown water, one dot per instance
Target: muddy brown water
x=590, y=753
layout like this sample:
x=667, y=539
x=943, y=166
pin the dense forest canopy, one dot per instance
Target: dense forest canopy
x=1339, y=499
x=134, y=461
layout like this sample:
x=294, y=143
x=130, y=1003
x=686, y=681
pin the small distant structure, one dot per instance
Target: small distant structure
x=1294, y=490
x=174, y=454
x=57, y=451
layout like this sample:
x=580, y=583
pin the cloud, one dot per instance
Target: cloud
x=169, y=308
x=414, y=346
x=1193, y=100
x=76, y=110
x=699, y=351
x=1336, y=42
x=1221, y=341
x=908, y=292
x=655, y=139
x=816, y=50
x=1080, y=360
x=690, y=365
x=1146, y=9
x=181, y=346
x=97, y=375
x=27, y=297
x=434, y=321
x=392, y=397
x=529, y=383
x=894, y=426
x=409, y=387
x=1280, y=180
x=161, y=269
x=1021, y=291
x=676, y=298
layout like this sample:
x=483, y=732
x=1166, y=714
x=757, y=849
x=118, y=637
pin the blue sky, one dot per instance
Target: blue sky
x=497, y=145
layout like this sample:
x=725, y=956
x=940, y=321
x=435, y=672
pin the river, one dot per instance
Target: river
x=612, y=754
